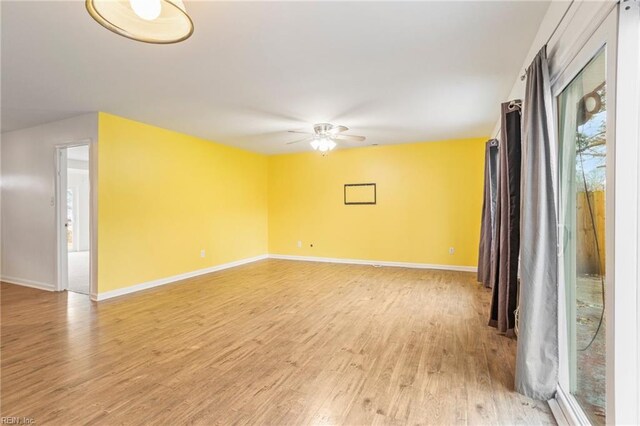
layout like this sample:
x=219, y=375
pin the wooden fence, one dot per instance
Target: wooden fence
x=587, y=256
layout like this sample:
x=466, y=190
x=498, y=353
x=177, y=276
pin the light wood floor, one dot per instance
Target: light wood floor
x=274, y=342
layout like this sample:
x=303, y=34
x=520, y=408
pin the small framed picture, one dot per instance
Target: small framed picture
x=359, y=193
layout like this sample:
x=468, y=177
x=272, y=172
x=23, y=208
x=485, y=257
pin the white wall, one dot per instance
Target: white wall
x=28, y=194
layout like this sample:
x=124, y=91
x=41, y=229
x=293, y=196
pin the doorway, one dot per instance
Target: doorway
x=74, y=218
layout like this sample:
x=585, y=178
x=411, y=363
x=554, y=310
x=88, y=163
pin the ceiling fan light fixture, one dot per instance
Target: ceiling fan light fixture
x=323, y=144
x=325, y=137
x=149, y=21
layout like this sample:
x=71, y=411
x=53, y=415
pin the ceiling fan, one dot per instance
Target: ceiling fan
x=325, y=136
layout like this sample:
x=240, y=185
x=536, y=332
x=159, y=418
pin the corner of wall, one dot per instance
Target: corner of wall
x=175, y=203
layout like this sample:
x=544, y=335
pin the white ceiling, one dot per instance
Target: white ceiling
x=392, y=71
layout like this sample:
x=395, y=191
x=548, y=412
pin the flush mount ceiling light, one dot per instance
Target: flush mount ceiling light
x=150, y=21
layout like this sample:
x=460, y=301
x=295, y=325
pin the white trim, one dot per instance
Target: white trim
x=571, y=411
x=558, y=413
x=93, y=217
x=175, y=278
x=186, y=275
x=28, y=283
x=62, y=273
x=168, y=280
x=561, y=55
x=375, y=263
x=625, y=359
x=60, y=206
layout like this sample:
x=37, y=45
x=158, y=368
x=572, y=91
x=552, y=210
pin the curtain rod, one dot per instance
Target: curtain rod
x=523, y=76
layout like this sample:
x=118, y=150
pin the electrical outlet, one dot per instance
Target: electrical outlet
x=203, y=253
x=451, y=250
x=299, y=244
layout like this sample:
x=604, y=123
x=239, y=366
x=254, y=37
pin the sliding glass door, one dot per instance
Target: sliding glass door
x=582, y=109
x=584, y=104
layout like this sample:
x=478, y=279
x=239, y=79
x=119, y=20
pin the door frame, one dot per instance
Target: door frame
x=626, y=357
x=604, y=35
x=60, y=158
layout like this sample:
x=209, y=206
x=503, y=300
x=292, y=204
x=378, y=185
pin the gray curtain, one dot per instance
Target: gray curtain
x=537, y=356
x=504, y=268
x=486, y=250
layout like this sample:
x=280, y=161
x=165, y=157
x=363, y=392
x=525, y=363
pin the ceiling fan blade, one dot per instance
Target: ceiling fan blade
x=349, y=138
x=338, y=129
x=300, y=131
x=300, y=140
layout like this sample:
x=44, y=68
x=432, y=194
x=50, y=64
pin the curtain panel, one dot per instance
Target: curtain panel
x=537, y=355
x=487, y=252
x=504, y=267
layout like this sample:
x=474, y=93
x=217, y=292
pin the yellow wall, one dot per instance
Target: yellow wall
x=429, y=199
x=163, y=196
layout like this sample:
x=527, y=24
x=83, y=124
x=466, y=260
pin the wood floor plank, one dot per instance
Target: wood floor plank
x=274, y=342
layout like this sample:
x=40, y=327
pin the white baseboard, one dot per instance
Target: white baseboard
x=376, y=263
x=168, y=280
x=28, y=283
